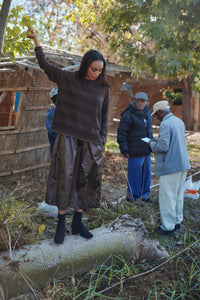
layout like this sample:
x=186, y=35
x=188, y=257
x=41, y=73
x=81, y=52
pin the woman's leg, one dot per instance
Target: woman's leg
x=77, y=225
x=60, y=230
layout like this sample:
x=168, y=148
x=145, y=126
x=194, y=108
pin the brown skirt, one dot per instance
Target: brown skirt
x=75, y=174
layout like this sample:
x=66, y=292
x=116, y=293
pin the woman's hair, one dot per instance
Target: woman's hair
x=87, y=60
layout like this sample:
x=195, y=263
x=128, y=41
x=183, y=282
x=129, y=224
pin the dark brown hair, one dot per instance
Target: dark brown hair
x=86, y=61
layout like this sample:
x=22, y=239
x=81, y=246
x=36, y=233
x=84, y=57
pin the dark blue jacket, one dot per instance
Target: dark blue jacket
x=134, y=125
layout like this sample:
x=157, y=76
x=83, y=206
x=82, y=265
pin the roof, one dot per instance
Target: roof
x=63, y=59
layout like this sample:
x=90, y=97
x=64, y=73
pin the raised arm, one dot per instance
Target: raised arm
x=52, y=71
x=32, y=35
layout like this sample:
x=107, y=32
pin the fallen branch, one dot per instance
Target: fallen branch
x=39, y=264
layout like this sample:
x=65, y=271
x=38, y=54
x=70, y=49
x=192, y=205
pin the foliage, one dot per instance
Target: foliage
x=15, y=41
x=114, y=269
x=118, y=276
x=182, y=286
x=193, y=150
x=17, y=228
x=112, y=145
x=157, y=36
x=195, y=81
x=51, y=24
x=175, y=96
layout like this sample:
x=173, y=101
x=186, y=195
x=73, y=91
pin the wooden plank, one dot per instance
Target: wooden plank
x=26, y=130
x=5, y=152
x=3, y=95
x=31, y=148
x=8, y=130
x=6, y=173
x=29, y=168
x=14, y=172
x=25, y=88
x=26, y=149
x=39, y=107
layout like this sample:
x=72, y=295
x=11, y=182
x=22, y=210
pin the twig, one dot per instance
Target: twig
x=9, y=242
x=35, y=292
x=15, y=260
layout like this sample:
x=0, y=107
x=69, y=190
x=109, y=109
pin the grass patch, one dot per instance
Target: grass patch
x=19, y=222
x=114, y=270
x=193, y=151
x=178, y=279
x=112, y=145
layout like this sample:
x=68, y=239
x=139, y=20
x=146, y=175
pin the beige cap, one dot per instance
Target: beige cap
x=160, y=105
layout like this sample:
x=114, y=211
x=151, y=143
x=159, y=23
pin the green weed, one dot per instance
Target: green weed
x=17, y=219
x=114, y=269
x=111, y=144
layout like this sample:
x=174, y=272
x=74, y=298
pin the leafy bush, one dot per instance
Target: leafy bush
x=175, y=96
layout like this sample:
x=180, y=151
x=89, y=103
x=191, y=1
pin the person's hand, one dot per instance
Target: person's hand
x=153, y=140
x=32, y=35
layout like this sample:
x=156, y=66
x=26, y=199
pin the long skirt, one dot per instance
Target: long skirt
x=75, y=174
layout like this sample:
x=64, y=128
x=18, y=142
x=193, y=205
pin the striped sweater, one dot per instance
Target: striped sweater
x=82, y=105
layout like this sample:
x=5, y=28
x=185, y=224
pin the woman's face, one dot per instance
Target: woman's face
x=94, y=70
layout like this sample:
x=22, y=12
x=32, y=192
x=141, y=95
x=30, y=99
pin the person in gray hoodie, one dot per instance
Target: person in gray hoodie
x=171, y=164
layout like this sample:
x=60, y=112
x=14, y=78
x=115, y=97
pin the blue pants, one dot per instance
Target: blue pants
x=52, y=138
x=139, y=177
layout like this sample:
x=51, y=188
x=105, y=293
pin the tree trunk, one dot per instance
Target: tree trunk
x=3, y=20
x=35, y=266
x=187, y=104
x=196, y=112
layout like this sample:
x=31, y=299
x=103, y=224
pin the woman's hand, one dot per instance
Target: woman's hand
x=32, y=35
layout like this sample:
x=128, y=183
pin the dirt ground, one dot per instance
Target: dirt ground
x=114, y=191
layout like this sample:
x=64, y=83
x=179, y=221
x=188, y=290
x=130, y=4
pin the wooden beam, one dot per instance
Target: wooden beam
x=25, y=88
x=39, y=107
x=30, y=168
x=25, y=149
x=14, y=172
x=19, y=150
x=2, y=97
x=9, y=130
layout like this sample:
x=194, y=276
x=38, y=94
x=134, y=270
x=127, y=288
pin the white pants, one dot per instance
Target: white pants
x=171, y=195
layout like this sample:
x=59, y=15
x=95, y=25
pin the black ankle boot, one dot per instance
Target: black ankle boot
x=60, y=230
x=78, y=227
